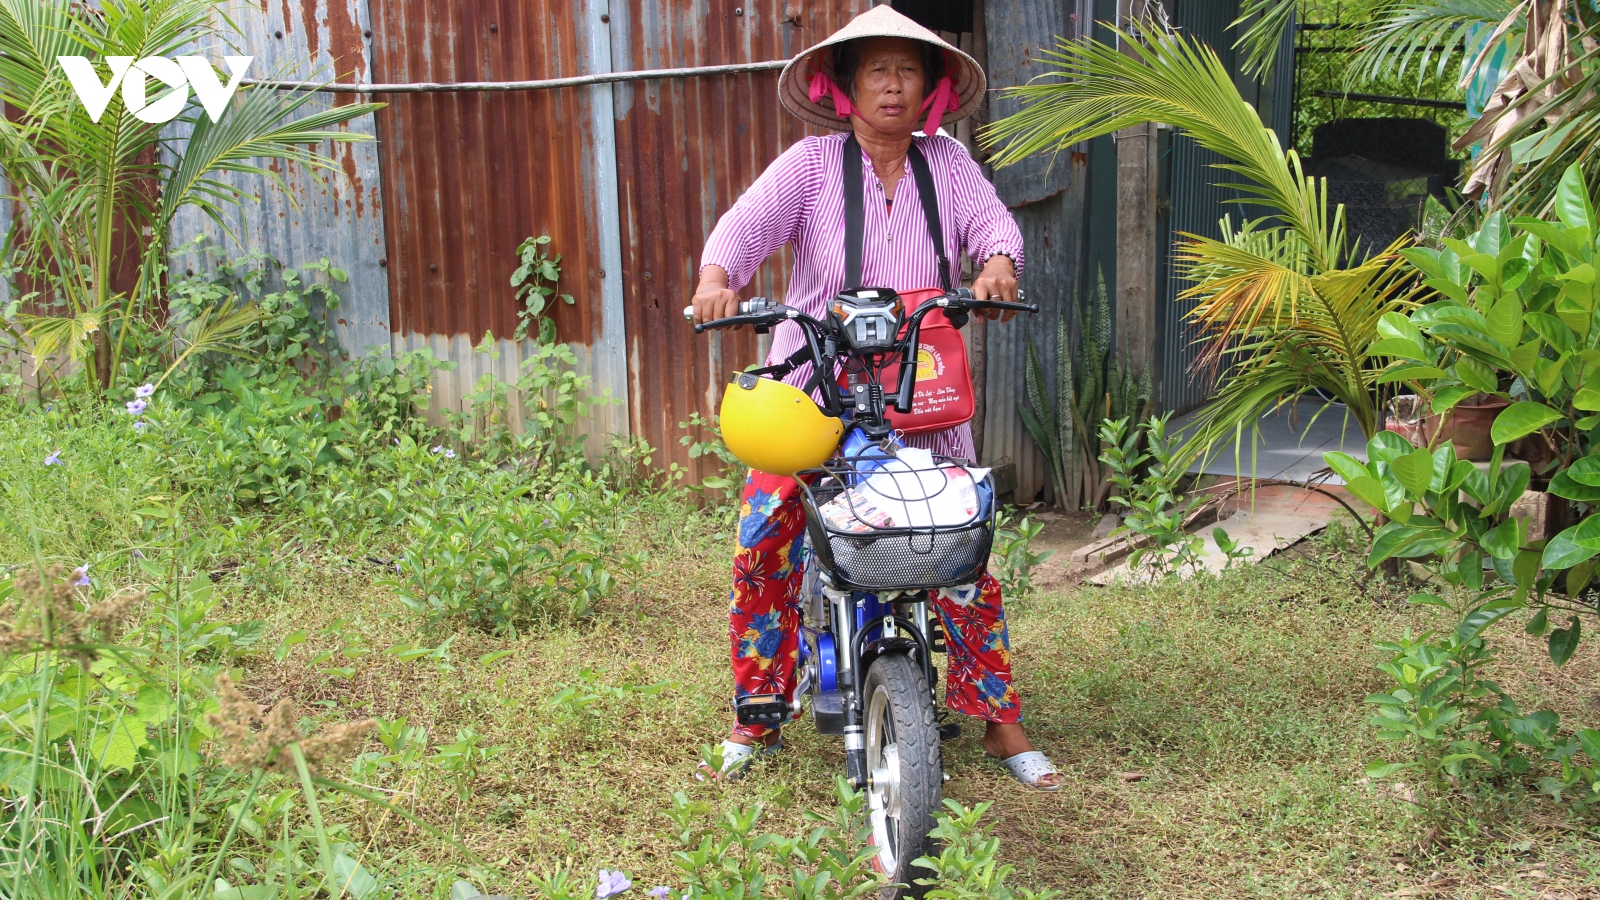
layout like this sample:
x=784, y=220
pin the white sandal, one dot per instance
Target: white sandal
x=736, y=758
x=1030, y=768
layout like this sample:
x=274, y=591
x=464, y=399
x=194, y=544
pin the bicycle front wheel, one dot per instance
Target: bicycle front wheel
x=905, y=776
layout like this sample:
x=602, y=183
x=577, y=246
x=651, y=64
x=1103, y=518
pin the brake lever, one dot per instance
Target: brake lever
x=731, y=321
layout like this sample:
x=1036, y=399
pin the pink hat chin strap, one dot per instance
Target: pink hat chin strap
x=943, y=99
x=822, y=86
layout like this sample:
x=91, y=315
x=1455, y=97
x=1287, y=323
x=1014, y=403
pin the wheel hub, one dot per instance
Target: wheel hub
x=883, y=781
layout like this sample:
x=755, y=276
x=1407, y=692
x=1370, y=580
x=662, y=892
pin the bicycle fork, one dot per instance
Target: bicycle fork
x=841, y=609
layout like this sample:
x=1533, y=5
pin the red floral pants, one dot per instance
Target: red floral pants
x=764, y=615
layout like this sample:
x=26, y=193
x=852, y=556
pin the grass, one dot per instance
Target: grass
x=1213, y=732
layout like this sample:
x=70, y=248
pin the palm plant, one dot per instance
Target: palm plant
x=1277, y=302
x=93, y=194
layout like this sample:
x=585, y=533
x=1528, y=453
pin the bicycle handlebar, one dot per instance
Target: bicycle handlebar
x=822, y=348
x=761, y=311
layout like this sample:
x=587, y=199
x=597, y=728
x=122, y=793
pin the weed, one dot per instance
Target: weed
x=1157, y=510
x=1012, y=558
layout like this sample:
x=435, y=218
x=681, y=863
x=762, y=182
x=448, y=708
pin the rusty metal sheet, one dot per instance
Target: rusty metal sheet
x=503, y=360
x=334, y=214
x=467, y=177
x=686, y=149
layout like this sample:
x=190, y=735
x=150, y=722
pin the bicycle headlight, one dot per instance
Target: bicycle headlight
x=868, y=319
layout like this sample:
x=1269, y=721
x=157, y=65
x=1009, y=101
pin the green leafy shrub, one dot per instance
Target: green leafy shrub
x=123, y=772
x=1156, y=507
x=1515, y=315
x=535, y=280
x=704, y=440
x=480, y=550
x=968, y=866
x=1013, y=558
x=1458, y=724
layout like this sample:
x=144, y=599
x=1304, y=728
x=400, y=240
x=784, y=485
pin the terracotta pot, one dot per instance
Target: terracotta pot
x=1466, y=426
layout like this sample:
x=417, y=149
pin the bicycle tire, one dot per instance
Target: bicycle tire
x=899, y=706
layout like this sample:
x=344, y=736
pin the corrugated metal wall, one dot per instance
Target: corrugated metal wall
x=686, y=149
x=335, y=214
x=1196, y=203
x=1047, y=196
x=469, y=176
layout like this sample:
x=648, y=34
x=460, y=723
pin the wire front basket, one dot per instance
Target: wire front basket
x=879, y=524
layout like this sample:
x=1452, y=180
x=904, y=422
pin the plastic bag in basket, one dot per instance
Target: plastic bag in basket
x=909, y=491
x=851, y=511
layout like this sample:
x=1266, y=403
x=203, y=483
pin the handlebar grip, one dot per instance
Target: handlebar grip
x=746, y=308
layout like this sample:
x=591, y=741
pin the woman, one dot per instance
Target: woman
x=880, y=78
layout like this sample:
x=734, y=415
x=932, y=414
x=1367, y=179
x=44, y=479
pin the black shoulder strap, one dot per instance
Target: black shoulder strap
x=854, y=217
x=930, y=210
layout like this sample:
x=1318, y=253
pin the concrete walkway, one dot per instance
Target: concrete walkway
x=1289, y=445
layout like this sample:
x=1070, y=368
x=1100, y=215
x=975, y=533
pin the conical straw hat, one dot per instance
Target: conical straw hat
x=880, y=21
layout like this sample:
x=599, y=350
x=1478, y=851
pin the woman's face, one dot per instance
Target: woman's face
x=889, y=85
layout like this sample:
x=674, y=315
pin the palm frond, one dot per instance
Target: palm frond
x=1427, y=34
x=1264, y=23
x=1553, y=125
x=54, y=335
x=81, y=182
x=1275, y=300
x=216, y=330
x=1097, y=89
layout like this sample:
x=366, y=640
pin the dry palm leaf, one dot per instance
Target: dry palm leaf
x=1545, y=68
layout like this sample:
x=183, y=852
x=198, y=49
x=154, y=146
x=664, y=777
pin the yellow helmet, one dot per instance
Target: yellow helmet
x=775, y=427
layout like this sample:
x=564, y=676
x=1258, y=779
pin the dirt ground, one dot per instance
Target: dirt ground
x=1063, y=533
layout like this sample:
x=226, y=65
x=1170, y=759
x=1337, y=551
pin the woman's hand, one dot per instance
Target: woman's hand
x=997, y=281
x=712, y=299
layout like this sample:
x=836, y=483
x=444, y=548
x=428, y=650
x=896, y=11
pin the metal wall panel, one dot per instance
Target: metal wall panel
x=1053, y=240
x=1017, y=32
x=335, y=214
x=1048, y=196
x=686, y=149
x=469, y=176
x=1197, y=203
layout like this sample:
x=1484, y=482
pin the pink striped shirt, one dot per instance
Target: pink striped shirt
x=798, y=201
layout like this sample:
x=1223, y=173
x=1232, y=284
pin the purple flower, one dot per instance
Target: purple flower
x=138, y=553
x=611, y=884
x=449, y=454
x=440, y=449
x=144, y=391
x=54, y=459
x=83, y=576
x=660, y=892
x=135, y=407
x=139, y=425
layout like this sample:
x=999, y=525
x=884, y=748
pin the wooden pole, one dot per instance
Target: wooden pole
x=1137, y=251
